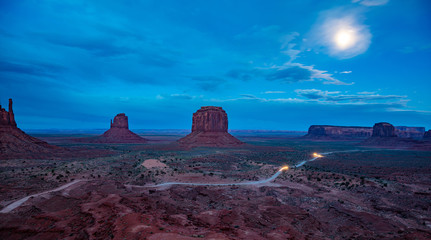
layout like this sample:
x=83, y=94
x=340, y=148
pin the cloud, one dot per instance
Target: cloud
x=355, y=36
x=99, y=46
x=274, y=92
x=181, y=96
x=175, y=96
x=332, y=98
x=371, y=3
x=244, y=75
x=295, y=72
x=408, y=110
x=346, y=72
x=366, y=92
x=110, y=46
x=290, y=74
x=208, y=83
x=315, y=94
x=35, y=69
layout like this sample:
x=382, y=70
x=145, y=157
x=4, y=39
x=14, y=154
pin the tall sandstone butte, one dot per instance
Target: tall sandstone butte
x=14, y=143
x=119, y=132
x=209, y=129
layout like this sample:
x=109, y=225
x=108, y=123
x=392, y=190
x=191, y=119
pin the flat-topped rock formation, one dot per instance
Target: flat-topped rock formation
x=14, y=143
x=409, y=132
x=338, y=132
x=118, y=133
x=383, y=130
x=384, y=135
x=209, y=129
x=328, y=132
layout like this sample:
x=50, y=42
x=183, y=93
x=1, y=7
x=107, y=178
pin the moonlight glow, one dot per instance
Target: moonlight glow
x=345, y=39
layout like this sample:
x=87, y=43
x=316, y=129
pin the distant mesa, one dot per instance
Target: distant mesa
x=118, y=133
x=209, y=129
x=328, y=132
x=385, y=135
x=409, y=132
x=338, y=132
x=14, y=143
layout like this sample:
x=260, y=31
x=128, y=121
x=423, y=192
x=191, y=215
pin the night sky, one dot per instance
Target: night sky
x=283, y=65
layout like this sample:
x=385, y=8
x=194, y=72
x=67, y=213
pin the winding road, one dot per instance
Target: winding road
x=19, y=202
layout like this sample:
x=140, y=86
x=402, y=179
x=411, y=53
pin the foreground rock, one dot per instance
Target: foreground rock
x=209, y=129
x=14, y=143
x=118, y=133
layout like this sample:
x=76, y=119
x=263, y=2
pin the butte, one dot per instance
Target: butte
x=209, y=129
x=15, y=143
x=118, y=133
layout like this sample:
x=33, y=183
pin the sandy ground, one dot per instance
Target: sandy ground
x=153, y=163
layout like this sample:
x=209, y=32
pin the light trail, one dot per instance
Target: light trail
x=284, y=168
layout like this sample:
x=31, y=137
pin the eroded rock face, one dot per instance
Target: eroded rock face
x=120, y=121
x=210, y=119
x=14, y=143
x=209, y=129
x=338, y=132
x=383, y=129
x=7, y=118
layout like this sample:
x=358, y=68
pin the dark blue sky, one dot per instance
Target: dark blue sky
x=284, y=65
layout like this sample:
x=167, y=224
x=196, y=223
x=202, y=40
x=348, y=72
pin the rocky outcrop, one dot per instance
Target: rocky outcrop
x=383, y=129
x=338, y=132
x=209, y=129
x=409, y=132
x=427, y=135
x=118, y=133
x=14, y=143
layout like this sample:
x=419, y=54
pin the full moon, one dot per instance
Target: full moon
x=345, y=39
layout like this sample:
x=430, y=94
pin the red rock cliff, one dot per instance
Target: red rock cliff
x=14, y=143
x=7, y=118
x=120, y=121
x=210, y=119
